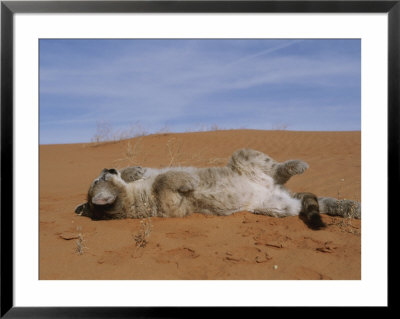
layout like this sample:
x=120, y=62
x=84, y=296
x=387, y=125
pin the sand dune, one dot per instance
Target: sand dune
x=240, y=246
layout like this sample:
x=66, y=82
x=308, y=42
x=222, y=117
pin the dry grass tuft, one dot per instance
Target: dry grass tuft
x=132, y=152
x=345, y=225
x=146, y=227
x=105, y=133
x=174, y=150
x=177, y=156
x=279, y=127
x=80, y=243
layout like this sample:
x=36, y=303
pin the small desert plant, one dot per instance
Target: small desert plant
x=135, y=130
x=174, y=150
x=103, y=132
x=340, y=187
x=215, y=127
x=207, y=128
x=345, y=223
x=146, y=227
x=165, y=129
x=279, y=127
x=131, y=152
x=80, y=243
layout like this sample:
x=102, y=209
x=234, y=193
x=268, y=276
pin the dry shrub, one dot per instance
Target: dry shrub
x=103, y=132
x=131, y=153
x=174, y=150
x=80, y=243
x=146, y=227
x=345, y=223
x=279, y=127
x=106, y=134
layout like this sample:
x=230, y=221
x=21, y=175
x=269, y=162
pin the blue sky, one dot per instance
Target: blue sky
x=189, y=85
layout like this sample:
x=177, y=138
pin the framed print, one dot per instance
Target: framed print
x=176, y=105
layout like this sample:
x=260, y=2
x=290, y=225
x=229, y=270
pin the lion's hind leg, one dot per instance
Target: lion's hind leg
x=279, y=204
x=310, y=211
x=284, y=171
x=172, y=190
x=132, y=173
x=246, y=160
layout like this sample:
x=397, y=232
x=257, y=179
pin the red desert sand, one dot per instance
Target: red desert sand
x=240, y=246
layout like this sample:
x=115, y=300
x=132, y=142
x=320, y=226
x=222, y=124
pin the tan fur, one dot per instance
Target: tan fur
x=251, y=181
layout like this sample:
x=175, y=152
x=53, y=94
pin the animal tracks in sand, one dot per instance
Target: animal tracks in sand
x=272, y=240
x=183, y=252
x=176, y=254
x=247, y=255
x=328, y=247
x=116, y=257
x=185, y=234
x=317, y=245
x=283, y=241
x=68, y=235
x=310, y=274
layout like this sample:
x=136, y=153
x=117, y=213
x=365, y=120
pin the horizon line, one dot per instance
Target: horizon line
x=191, y=132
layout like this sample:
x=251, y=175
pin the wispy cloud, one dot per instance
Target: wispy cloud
x=161, y=82
x=266, y=52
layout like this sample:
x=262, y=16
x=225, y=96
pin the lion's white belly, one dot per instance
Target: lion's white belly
x=239, y=193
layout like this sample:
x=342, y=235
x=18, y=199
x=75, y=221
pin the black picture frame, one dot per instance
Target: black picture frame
x=9, y=8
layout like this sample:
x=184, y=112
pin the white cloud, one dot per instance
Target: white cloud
x=167, y=85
